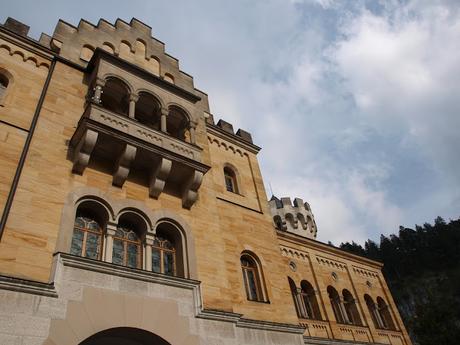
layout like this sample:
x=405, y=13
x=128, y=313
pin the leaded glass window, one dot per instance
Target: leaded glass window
x=86, y=238
x=163, y=256
x=127, y=250
x=251, y=279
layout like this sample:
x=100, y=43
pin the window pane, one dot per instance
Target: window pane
x=252, y=285
x=93, y=225
x=156, y=260
x=118, y=254
x=92, y=245
x=168, y=258
x=133, y=253
x=229, y=183
x=79, y=222
x=132, y=236
x=77, y=242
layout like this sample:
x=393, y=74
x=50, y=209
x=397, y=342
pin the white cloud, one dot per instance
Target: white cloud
x=340, y=97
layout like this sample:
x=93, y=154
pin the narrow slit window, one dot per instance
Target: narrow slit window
x=230, y=180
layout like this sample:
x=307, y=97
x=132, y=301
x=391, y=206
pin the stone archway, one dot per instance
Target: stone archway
x=124, y=336
x=119, y=313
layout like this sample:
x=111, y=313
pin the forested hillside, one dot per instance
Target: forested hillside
x=422, y=268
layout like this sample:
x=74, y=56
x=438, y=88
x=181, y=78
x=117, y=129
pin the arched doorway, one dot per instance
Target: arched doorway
x=124, y=336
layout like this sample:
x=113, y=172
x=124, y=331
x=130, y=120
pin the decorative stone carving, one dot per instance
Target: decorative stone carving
x=123, y=164
x=143, y=147
x=158, y=177
x=190, y=193
x=82, y=151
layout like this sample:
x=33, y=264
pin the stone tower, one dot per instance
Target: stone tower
x=297, y=218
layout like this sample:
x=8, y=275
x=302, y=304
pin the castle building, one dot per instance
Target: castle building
x=130, y=217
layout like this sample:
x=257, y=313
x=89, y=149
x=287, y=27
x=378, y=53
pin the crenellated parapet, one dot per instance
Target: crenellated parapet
x=296, y=218
x=131, y=41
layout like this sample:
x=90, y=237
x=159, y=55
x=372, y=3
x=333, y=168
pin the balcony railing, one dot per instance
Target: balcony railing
x=316, y=328
x=105, y=138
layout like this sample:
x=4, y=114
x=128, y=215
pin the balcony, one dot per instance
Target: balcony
x=316, y=328
x=127, y=149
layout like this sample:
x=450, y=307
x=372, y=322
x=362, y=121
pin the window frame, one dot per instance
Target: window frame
x=231, y=180
x=253, y=267
x=7, y=79
x=125, y=241
x=85, y=230
x=162, y=250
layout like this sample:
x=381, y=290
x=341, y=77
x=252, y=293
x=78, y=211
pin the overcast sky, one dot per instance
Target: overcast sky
x=354, y=103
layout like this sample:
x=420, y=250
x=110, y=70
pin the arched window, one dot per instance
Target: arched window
x=90, y=221
x=350, y=308
x=148, y=110
x=177, y=123
x=163, y=256
x=376, y=318
x=231, y=184
x=127, y=246
x=295, y=297
x=4, y=82
x=251, y=278
x=385, y=314
x=291, y=221
x=336, y=305
x=167, y=251
x=278, y=222
x=309, y=300
x=115, y=96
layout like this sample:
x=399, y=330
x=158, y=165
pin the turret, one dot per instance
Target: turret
x=296, y=218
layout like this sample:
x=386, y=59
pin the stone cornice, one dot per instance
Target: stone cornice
x=27, y=286
x=126, y=272
x=233, y=138
x=296, y=239
x=324, y=341
x=26, y=43
x=270, y=326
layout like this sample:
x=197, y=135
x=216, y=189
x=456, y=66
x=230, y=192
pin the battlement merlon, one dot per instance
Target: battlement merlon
x=134, y=37
x=295, y=218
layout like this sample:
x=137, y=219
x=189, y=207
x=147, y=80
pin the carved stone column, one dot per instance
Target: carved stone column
x=193, y=132
x=82, y=151
x=300, y=303
x=158, y=177
x=190, y=193
x=148, y=252
x=132, y=105
x=343, y=310
x=98, y=90
x=123, y=165
x=108, y=248
x=163, y=120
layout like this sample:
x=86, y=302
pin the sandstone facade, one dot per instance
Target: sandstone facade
x=98, y=123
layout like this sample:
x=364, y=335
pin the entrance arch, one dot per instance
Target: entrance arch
x=124, y=336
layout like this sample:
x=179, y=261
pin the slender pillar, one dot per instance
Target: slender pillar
x=98, y=91
x=148, y=252
x=193, y=133
x=132, y=105
x=300, y=303
x=164, y=116
x=111, y=229
x=343, y=310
